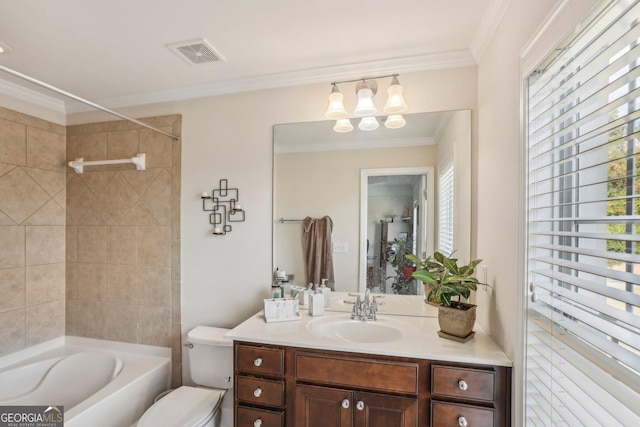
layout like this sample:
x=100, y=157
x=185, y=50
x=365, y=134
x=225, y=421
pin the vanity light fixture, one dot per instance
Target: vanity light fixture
x=366, y=89
x=224, y=207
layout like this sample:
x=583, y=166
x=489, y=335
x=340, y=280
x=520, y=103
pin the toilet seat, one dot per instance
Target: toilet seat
x=185, y=406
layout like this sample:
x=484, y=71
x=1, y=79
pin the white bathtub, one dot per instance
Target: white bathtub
x=99, y=383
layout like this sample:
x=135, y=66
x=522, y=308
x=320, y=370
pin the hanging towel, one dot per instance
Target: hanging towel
x=318, y=255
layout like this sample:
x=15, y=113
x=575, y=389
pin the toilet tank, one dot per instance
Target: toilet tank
x=210, y=357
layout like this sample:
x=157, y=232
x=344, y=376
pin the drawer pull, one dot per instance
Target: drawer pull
x=360, y=405
x=462, y=422
x=345, y=403
x=258, y=361
x=257, y=392
x=257, y=423
x=462, y=384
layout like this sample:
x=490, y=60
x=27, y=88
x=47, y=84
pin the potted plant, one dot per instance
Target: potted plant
x=404, y=267
x=447, y=283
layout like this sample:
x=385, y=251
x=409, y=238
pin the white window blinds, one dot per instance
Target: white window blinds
x=583, y=184
x=445, y=209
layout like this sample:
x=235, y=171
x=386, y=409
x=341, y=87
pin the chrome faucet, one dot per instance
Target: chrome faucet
x=367, y=309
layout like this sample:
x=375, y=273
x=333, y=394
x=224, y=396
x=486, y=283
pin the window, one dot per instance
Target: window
x=445, y=209
x=583, y=256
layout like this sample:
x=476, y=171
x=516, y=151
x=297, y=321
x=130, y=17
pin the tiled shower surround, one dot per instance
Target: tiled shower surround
x=120, y=227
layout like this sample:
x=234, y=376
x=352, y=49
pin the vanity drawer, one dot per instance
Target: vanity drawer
x=464, y=383
x=260, y=391
x=455, y=415
x=259, y=360
x=251, y=417
x=398, y=377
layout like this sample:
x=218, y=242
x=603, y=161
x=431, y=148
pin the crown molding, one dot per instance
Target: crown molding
x=33, y=97
x=453, y=59
x=490, y=21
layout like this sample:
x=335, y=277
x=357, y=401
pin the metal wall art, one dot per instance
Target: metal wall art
x=224, y=207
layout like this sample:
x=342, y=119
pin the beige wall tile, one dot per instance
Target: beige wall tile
x=122, y=322
x=46, y=150
x=79, y=199
x=155, y=286
x=139, y=215
x=44, y=322
x=97, y=181
x=13, y=142
x=154, y=245
x=122, y=284
x=176, y=342
x=91, y=319
x=157, y=148
x=45, y=244
x=92, y=147
x=118, y=198
x=51, y=181
x=49, y=214
x=71, y=317
x=176, y=302
x=92, y=244
x=141, y=180
x=158, y=198
x=12, y=332
x=71, y=281
x=71, y=237
x=92, y=283
x=12, y=289
x=155, y=326
x=122, y=145
x=45, y=283
x=20, y=196
x=12, y=249
x=176, y=375
x=122, y=245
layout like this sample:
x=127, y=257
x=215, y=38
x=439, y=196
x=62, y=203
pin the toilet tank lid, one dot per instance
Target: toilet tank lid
x=209, y=335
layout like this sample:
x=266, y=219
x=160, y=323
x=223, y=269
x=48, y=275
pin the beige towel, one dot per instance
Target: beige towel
x=318, y=253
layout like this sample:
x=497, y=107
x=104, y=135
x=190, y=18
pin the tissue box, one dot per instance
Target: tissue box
x=281, y=310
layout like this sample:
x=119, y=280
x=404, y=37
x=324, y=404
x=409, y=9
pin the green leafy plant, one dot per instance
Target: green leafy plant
x=448, y=279
x=401, y=247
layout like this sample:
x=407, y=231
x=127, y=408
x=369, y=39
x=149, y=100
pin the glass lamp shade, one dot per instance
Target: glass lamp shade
x=365, y=105
x=336, y=108
x=368, y=123
x=395, y=101
x=395, y=121
x=343, y=125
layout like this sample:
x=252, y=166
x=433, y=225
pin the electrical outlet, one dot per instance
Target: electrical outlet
x=340, y=247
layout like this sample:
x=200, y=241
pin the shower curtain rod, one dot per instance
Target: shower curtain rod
x=84, y=101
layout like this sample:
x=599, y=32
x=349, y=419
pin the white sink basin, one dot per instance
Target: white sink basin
x=355, y=330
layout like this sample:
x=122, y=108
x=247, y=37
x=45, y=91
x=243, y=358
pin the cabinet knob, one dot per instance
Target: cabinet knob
x=360, y=405
x=462, y=384
x=257, y=423
x=462, y=422
x=345, y=403
x=257, y=392
x=258, y=361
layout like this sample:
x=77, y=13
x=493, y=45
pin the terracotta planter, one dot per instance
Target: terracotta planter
x=457, y=324
x=408, y=272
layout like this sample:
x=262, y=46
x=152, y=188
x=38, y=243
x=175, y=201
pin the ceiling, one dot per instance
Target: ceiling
x=115, y=52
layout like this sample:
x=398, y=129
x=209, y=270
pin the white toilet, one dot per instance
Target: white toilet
x=211, y=362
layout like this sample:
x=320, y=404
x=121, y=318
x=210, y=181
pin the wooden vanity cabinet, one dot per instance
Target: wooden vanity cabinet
x=300, y=387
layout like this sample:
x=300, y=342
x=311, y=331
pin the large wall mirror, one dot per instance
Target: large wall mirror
x=376, y=186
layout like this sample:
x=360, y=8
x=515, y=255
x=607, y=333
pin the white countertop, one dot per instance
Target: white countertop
x=419, y=338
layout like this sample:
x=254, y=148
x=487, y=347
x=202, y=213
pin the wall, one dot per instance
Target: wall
x=32, y=218
x=123, y=236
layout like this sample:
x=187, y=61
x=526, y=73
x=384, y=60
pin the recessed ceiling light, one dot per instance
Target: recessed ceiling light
x=4, y=48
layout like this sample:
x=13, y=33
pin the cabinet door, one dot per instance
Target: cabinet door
x=322, y=407
x=378, y=410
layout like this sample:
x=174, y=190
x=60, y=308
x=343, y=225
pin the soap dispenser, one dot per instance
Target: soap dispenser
x=316, y=303
x=326, y=292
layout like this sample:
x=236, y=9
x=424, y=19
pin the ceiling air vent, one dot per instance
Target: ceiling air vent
x=196, y=52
